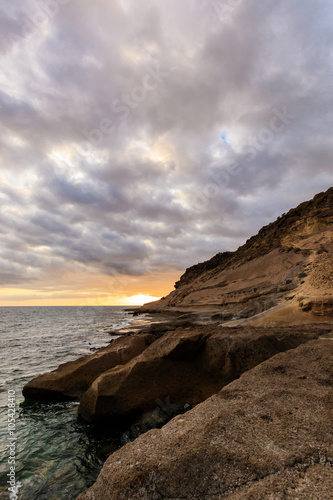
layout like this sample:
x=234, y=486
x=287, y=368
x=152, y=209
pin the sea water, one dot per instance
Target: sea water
x=56, y=456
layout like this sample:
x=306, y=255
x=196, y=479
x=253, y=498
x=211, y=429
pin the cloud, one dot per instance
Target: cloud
x=143, y=137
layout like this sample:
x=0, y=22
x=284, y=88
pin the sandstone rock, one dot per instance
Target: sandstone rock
x=323, y=307
x=267, y=435
x=186, y=365
x=169, y=369
x=293, y=254
x=72, y=379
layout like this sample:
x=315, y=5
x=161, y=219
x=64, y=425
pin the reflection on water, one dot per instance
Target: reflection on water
x=63, y=456
x=57, y=456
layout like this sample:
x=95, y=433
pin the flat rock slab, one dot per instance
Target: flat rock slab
x=72, y=379
x=267, y=435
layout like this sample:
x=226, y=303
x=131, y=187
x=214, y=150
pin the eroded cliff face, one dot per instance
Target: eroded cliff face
x=289, y=262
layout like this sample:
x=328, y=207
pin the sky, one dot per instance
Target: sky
x=139, y=138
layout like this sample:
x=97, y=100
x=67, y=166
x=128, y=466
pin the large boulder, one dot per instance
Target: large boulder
x=267, y=435
x=72, y=379
x=187, y=366
x=168, y=369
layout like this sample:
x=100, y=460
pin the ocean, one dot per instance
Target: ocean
x=56, y=455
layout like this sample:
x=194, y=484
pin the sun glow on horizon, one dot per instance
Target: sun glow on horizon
x=139, y=300
x=40, y=298
x=87, y=289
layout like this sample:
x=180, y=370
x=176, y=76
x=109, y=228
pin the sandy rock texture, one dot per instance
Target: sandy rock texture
x=316, y=293
x=186, y=365
x=70, y=380
x=267, y=435
x=288, y=262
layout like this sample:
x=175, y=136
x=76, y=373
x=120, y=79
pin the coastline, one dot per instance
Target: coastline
x=166, y=368
x=248, y=333
x=250, y=440
x=52, y=444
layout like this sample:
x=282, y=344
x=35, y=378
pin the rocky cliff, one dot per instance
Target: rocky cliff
x=255, y=399
x=289, y=263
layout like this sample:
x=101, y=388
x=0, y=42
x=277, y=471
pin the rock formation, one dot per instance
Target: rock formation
x=72, y=379
x=186, y=365
x=261, y=425
x=266, y=435
x=289, y=263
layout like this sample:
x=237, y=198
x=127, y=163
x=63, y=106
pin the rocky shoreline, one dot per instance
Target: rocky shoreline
x=147, y=377
x=242, y=352
x=268, y=434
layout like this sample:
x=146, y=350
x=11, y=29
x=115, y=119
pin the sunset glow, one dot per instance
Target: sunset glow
x=139, y=300
x=140, y=138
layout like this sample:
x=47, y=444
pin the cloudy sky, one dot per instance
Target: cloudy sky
x=139, y=138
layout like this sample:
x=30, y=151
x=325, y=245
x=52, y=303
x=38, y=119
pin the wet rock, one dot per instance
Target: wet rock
x=154, y=419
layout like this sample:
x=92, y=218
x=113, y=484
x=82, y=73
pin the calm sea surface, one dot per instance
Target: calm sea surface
x=56, y=456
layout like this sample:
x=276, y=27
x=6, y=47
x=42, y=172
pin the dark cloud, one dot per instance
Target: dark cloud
x=112, y=114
